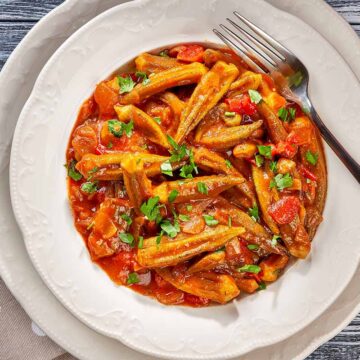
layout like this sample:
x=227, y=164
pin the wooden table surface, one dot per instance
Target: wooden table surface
x=18, y=16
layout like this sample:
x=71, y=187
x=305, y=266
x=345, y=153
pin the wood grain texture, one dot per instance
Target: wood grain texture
x=18, y=16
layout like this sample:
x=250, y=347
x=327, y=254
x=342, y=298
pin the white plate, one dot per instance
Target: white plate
x=308, y=288
x=15, y=267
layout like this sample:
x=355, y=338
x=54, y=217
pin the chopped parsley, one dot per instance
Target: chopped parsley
x=253, y=247
x=265, y=151
x=158, y=238
x=142, y=75
x=189, y=207
x=141, y=242
x=89, y=187
x=255, y=269
x=281, y=181
x=273, y=166
x=151, y=209
x=132, y=279
x=311, y=158
x=166, y=168
x=262, y=286
x=173, y=195
x=183, y=217
x=230, y=113
x=92, y=172
x=228, y=164
x=286, y=115
x=170, y=229
x=127, y=238
x=157, y=119
x=255, y=96
x=126, y=84
x=127, y=218
x=254, y=213
x=210, y=220
x=117, y=128
x=164, y=53
x=274, y=240
x=295, y=79
x=202, y=188
x=72, y=172
x=109, y=145
x=259, y=160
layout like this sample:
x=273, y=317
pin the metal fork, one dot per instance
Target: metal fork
x=266, y=55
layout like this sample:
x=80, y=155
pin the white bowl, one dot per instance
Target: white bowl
x=40, y=200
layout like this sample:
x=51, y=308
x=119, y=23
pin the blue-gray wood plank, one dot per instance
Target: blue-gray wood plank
x=17, y=17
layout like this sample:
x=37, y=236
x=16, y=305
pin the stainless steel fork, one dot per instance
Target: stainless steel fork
x=266, y=55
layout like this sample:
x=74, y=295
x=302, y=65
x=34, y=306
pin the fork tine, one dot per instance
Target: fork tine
x=283, y=51
x=248, y=45
x=267, y=49
x=239, y=51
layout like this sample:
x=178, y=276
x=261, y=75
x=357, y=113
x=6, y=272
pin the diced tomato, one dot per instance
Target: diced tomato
x=188, y=53
x=196, y=300
x=242, y=105
x=87, y=109
x=106, y=98
x=285, y=210
x=301, y=131
x=285, y=149
x=305, y=172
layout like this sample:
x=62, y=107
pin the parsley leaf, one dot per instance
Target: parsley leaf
x=311, y=158
x=286, y=114
x=259, y=160
x=72, y=172
x=275, y=239
x=166, y=168
x=265, y=151
x=262, y=286
x=143, y=76
x=202, y=188
x=172, y=196
x=273, y=166
x=189, y=207
x=126, y=84
x=169, y=228
x=228, y=164
x=178, y=152
x=186, y=171
x=151, y=209
x=230, y=113
x=210, y=220
x=281, y=181
x=132, y=279
x=295, y=79
x=164, y=53
x=158, y=238
x=89, y=187
x=183, y=217
x=127, y=238
x=292, y=113
x=253, y=247
x=117, y=128
x=255, y=269
x=254, y=213
x=157, y=119
x=141, y=242
x=93, y=171
x=127, y=218
x=255, y=96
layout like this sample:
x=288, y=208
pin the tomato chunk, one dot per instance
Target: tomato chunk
x=106, y=98
x=285, y=210
x=285, y=149
x=242, y=105
x=188, y=53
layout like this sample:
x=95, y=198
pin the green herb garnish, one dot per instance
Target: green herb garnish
x=281, y=181
x=230, y=113
x=255, y=96
x=273, y=166
x=311, y=158
x=210, y=220
x=183, y=217
x=141, y=242
x=117, y=128
x=254, y=213
x=166, y=168
x=250, y=269
x=126, y=84
x=265, y=151
x=170, y=229
x=228, y=164
x=127, y=238
x=157, y=119
x=172, y=196
x=132, y=279
x=202, y=188
x=89, y=187
x=259, y=160
x=253, y=247
x=275, y=239
x=127, y=218
x=72, y=172
x=151, y=209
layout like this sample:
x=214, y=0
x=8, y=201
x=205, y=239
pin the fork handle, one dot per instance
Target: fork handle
x=339, y=150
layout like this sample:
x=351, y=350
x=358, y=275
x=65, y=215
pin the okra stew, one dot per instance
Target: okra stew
x=192, y=179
